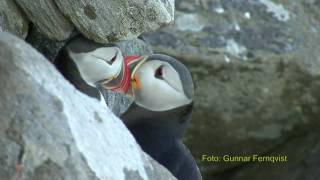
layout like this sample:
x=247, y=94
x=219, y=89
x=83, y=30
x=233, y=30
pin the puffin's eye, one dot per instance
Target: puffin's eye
x=114, y=58
x=158, y=73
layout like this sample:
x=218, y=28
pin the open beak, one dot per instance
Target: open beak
x=126, y=82
x=133, y=67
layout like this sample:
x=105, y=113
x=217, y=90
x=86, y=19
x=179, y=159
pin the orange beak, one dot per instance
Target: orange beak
x=135, y=82
x=134, y=66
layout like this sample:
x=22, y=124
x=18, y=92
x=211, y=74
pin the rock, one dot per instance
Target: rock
x=12, y=19
x=110, y=21
x=49, y=130
x=245, y=28
x=46, y=46
x=135, y=47
x=47, y=18
x=256, y=70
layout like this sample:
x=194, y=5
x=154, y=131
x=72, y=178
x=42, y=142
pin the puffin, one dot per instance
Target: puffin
x=163, y=93
x=84, y=63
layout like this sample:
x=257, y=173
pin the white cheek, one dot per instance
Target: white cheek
x=108, y=53
x=172, y=78
x=156, y=94
x=92, y=69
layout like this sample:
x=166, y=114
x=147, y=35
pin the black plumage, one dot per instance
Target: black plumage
x=160, y=135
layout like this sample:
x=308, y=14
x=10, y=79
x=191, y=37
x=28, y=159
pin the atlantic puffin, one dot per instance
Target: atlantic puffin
x=163, y=93
x=84, y=63
x=163, y=101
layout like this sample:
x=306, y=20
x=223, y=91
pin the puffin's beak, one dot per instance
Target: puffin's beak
x=134, y=66
x=126, y=81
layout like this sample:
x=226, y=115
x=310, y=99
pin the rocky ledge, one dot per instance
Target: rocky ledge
x=49, y=130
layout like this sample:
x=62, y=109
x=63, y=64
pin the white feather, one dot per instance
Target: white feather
x=93, y=66
x=159, y=94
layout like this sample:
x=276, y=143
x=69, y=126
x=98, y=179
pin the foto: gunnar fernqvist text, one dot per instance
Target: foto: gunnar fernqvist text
x=250, y=158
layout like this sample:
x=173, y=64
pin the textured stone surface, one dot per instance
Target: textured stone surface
x=256, y=70
x=246, y=29
x=47, y=18
x=134, y=47
x=109, y=21
x=12, y=19
x=49, y=130
x=46, y=46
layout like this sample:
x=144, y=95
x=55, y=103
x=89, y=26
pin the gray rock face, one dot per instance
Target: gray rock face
x=47, y=18
x=101, y=21
x=134, y=47
x=46, y=46
x=49, y=130
x=256, y=70
x=12, y=19
x=109, y=21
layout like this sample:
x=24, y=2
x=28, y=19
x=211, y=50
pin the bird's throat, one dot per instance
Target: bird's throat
x=121, y=83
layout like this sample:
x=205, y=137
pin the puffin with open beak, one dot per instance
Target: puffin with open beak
x=86, y=64
x=163, y=93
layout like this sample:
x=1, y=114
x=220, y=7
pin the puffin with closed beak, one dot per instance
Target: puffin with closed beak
x=163, y=93
x=163, y=101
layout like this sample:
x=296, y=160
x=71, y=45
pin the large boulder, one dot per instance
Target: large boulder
x=101, y=21
x=49, y=130
x=12, y=19
x=256, y=70
x=109, y=21
x=98, y=20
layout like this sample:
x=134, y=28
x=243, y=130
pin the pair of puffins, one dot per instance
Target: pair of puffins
x=163, y=94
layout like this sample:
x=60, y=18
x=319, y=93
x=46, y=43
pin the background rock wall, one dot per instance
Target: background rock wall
x=256, y=68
